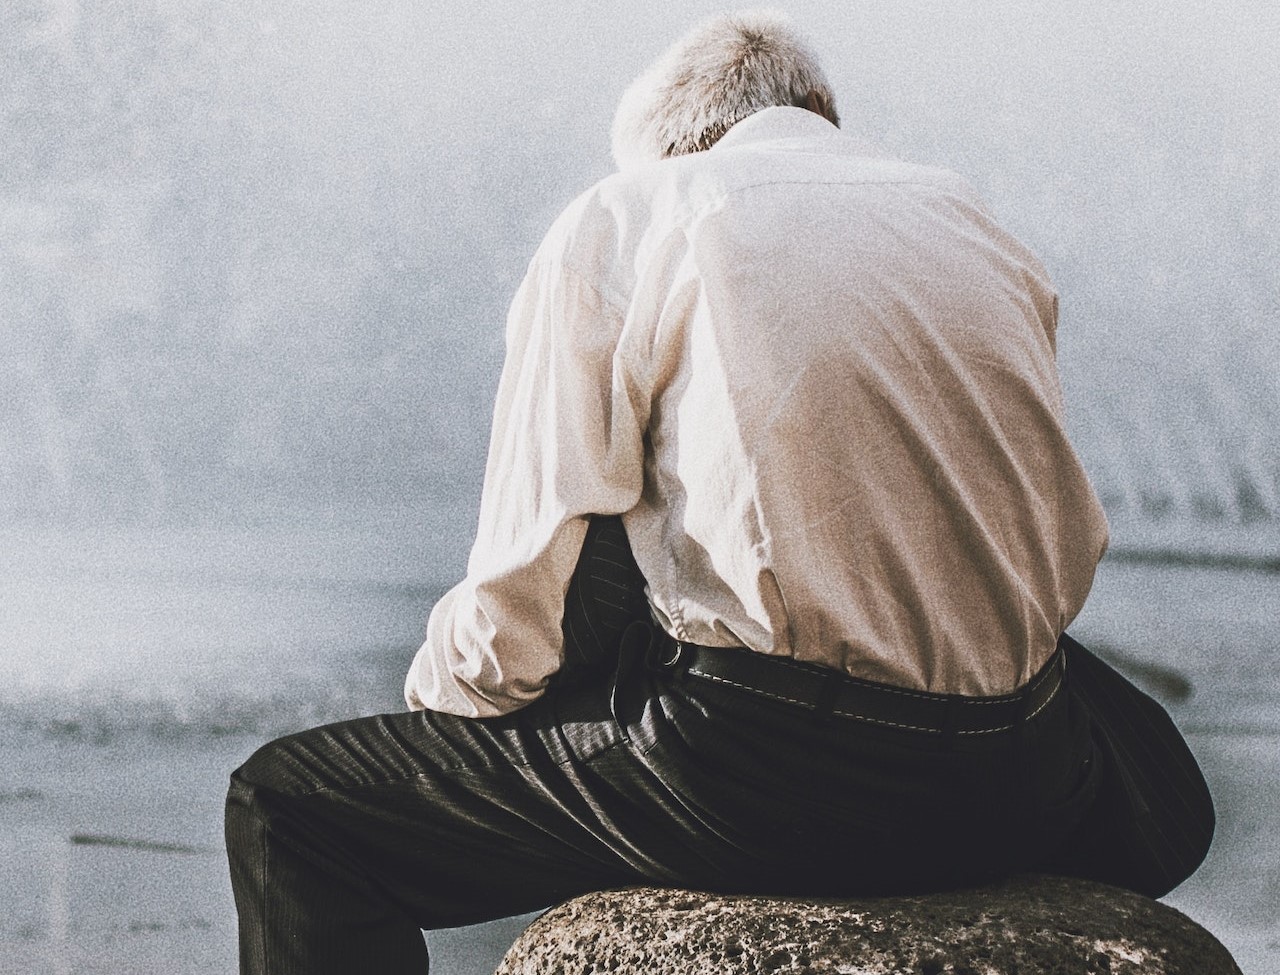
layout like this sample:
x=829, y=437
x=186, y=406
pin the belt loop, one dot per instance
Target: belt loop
x=1026, y=706
x=1051, y=677
x=951, y=721
x=824, y=705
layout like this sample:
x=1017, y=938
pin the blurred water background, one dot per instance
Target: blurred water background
x=254, y=265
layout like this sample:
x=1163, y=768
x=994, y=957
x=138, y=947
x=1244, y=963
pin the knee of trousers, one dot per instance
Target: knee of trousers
x=283, y=767
x=263, y=797
x=268, y=777
x=243, y=791
x=259, y=769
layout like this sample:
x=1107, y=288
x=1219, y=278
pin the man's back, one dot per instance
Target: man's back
x=855, y=450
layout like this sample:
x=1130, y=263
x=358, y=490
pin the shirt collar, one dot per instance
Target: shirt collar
x=784, y=122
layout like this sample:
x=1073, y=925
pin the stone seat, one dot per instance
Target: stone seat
x=1028, y=925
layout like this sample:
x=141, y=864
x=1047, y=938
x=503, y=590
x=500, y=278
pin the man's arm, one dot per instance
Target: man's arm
x=567, y=442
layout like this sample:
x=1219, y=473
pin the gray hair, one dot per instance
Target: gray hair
x=716, y=75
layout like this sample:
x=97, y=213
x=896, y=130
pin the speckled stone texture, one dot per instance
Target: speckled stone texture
x=1025, y=926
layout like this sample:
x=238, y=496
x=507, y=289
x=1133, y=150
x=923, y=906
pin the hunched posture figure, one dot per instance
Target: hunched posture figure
x=780, y=534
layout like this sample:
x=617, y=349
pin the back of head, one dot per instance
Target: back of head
x=716, y=75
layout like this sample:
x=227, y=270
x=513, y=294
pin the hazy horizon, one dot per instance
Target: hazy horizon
x=255, y=258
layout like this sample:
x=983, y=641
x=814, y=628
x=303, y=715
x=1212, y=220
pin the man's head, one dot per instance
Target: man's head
x=714, y=76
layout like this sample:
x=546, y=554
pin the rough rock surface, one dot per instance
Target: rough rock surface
x=1028, y=925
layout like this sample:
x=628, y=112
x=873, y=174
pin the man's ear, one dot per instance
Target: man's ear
x=820, y=104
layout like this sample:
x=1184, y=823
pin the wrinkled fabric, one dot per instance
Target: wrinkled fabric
x=819, y=386
x=344, y=840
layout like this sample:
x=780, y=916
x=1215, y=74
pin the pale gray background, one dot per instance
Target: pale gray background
x=254, y=262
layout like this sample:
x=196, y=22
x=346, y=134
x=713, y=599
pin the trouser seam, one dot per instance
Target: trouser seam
x=340, y=789
x=265, y=848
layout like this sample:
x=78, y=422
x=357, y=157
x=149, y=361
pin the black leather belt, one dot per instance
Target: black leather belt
x=830, y=693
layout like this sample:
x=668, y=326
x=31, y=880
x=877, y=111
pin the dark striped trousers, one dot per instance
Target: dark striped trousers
x=346, y=840
x=1151, y=823
x=1152, y=820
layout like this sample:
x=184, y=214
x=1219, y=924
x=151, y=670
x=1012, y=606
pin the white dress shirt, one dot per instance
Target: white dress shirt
x=819, y=386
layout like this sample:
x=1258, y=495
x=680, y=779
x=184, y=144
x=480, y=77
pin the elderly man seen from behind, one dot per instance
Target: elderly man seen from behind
x=780, y=534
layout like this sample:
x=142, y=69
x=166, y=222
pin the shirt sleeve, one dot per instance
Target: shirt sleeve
x=567, y=442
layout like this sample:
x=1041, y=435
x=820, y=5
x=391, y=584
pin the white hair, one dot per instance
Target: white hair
x=716, y=75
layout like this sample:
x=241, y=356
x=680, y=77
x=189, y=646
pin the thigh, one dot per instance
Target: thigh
x=1153, y=819
x=461, y=820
